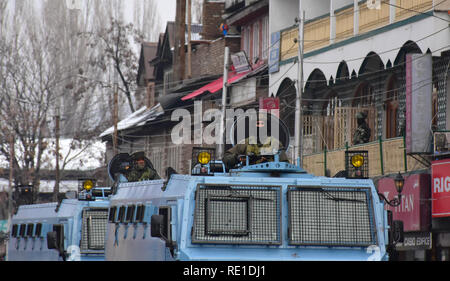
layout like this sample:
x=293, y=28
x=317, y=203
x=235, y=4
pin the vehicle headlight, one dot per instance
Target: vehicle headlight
x=204, y=158
x=88, y=185
x=358, y=161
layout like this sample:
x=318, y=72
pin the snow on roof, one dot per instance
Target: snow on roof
x=80, y=155
x=138, y=118
x=46, y=185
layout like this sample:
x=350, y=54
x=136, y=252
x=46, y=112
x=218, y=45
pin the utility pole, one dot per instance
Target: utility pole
x=189, y=54
x=181, y=25
x=57, y=136
x=116, y=117
x=11, y=178
x=223, y=138
x=300, y=82
x=116, y=99
x=11, y=175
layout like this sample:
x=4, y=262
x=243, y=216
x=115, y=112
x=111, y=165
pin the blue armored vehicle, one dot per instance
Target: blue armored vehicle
x=69, y=230
x=261, y=209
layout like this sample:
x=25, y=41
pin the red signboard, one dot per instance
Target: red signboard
x=414, y=209
x=271, y=105
x=440, y=188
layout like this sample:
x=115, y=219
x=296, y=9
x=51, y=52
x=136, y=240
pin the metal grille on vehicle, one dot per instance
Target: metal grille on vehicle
x=237, y=215
x=94, y=229
x=331, y=216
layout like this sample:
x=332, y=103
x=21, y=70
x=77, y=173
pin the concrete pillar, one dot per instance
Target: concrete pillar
x=356, y=18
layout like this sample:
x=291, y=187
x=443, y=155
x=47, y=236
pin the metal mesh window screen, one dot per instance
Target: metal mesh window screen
x=331, y=217
x=237, y=215
x=94, y=229
x=234, y=211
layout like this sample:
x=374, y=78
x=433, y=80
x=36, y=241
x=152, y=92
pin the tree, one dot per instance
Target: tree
x=147, y=19
x=118, y=41
x=27, y=93
x=38, y=63
x=51, y=62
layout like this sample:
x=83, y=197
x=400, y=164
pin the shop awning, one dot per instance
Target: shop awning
x=215, y=86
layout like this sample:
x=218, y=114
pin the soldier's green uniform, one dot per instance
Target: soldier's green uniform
x=362, y=133
x=231, y=157
x=143, y=175
x=141, y=172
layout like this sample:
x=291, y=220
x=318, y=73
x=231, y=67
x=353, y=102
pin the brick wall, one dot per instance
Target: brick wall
x=212, y=19
x=208, y=58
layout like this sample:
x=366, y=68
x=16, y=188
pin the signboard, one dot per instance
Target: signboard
x=240, y=62
x=271, y=105
x=440, y=172
x=418, y=102
x=274, y=58
x=415, y=241
x=415, y=207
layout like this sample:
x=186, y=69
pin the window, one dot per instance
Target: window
x=94, y=222
x=364, y=96
x=23, y=227
x=112, y=214
x=38, y=231
x=166, y=230
x=237, y=215
x=168, y=79
x=255, y=42
x=246, y=36
x=391, y=106
x=130, y=214
x=174, y=157
x=30, y=229
x=121, y=215
x=140, y=211
x=15, y=230
x=59, y=229
x=435, y=107
x=331, y=216
x=156, y=158
x=265, y=38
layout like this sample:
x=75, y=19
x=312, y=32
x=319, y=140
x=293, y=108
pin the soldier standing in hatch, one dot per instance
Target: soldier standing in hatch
x=141, y=171
x=362, y=133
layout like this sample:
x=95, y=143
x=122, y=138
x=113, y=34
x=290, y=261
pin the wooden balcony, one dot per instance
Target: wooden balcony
x=336, y=129
x=385, y=157
x=317, y=31
x=326, y=138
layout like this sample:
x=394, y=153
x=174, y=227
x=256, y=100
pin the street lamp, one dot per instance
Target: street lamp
x=399, y=184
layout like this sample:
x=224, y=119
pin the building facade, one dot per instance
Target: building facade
x=390, y=60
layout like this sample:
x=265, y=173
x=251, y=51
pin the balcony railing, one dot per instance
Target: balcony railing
x=326, y=138
x=317, y=31
x=335, y=130
x=385, y=157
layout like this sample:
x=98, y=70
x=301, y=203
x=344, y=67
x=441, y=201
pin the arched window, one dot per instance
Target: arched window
x=287, y=94
x=391, y=108
x=364, y=96
x=328, y=113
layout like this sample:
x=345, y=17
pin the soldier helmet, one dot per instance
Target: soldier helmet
x=138, y=156
x=361, y=115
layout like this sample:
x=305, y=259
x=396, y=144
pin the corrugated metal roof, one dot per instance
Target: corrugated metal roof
x=138, y=118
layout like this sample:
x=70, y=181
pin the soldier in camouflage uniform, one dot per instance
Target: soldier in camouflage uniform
x=231, y=157
x=362, y=133
x=141, y=171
